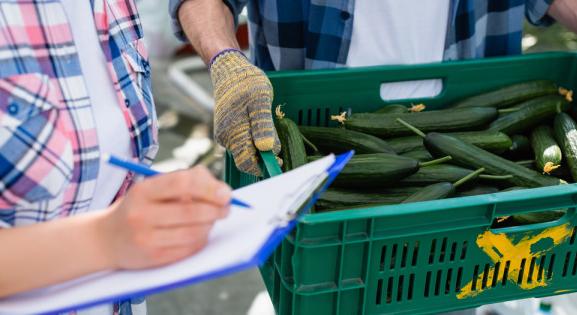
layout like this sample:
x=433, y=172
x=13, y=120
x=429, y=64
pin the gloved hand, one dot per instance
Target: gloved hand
x=242, y=117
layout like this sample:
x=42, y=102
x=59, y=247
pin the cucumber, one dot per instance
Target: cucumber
x=392, y=108
x=444, y=173
x=510, y=95
x=496, y=142
x=310, y=145
x=432, y=192
x=508, y=110
x=547, y=152
x=514, y=188
x=530, y=114
x=536, y=217
x=519, y=144
x=529, y=218
x=386, y=125
x=398, y=190
x=435, y=174
x=374, y=170
x=469, y=155
x=478, y=190
x=520, y=148
x=293, y=150
x=377, y=169
x=405, y=144
x=565, y=130
x=441, y=190
x=527, y=163
x=561, y=172
x=339, y=140
x=338, y=198
x=420, y=154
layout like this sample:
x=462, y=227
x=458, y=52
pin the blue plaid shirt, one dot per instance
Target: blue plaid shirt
x=316, y=34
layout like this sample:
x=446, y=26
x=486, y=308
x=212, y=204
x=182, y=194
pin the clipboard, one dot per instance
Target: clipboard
x=257, y=232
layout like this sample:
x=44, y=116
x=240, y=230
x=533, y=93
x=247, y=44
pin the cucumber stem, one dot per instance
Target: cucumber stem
x=495, y=177
x=508, y=110
x=309, y=143
x=468, y=177
x=435, y=162
x=412, y=128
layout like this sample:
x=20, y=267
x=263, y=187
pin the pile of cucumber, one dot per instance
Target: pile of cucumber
x=517, y=137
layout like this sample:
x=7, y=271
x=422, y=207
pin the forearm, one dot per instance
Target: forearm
x=565, y=12
x=48, y=253
x=209, y=26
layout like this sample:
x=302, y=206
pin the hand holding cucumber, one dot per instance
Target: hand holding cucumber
x=242, y=116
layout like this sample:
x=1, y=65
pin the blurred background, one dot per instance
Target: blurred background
x=184, y=103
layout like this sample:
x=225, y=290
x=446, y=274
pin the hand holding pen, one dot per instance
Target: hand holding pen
x=147, y=171
x=162, y=219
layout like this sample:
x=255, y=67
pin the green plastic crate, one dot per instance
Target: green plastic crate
x=420, y=258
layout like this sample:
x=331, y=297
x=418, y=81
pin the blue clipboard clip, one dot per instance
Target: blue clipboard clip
x=315, y=183
x=288, y=221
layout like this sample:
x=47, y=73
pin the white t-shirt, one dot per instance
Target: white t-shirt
x=111, y=128
x=387, y=32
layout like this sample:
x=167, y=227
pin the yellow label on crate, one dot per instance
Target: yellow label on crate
x=501, y=248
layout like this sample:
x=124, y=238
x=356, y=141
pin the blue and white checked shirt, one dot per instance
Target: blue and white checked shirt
x=316, y=34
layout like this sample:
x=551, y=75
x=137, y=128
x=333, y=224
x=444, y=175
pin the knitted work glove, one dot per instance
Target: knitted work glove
x=242, y=118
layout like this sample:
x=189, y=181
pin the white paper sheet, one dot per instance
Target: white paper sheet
x=233, y=241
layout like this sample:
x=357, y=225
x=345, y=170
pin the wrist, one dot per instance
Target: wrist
x=100, y=234
x=222, y=53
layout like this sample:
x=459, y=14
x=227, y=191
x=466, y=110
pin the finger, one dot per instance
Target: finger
x=244, y=153
x=176, y=214
x=260, y=116
x=193, y=184
x=184, y=236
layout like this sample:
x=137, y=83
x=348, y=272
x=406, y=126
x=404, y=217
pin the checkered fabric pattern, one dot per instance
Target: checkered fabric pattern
x=49, y=153
x=316, y=34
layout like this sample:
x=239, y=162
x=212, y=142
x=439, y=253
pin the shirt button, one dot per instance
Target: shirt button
x=13, y=109
x=345, y=15
x=126, y=102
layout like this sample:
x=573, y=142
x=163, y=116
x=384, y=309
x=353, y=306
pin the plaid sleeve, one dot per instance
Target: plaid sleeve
x=536, y=12
x=173, y=7
x=235, y=7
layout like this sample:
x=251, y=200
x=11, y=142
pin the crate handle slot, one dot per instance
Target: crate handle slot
x=569, y=216
x=387, y=89
x=562, y=197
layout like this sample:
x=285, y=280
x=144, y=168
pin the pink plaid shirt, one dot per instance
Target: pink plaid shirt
x=49, y=150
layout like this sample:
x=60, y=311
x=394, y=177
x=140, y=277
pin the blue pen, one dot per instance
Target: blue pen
x=147, y=171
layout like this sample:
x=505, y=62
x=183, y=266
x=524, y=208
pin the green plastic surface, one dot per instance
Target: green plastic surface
x=418, y=258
